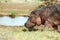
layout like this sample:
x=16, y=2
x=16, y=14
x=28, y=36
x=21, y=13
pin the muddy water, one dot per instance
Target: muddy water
x=17, y=21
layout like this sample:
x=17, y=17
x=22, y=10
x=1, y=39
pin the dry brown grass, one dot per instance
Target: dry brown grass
x=22, y=8
x=16, y=33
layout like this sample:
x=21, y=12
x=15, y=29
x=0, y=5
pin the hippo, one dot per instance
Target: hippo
x=47, y=16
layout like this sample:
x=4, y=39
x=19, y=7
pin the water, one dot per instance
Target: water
x=17, y=21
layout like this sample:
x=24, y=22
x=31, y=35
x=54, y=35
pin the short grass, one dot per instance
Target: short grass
x=16, y=33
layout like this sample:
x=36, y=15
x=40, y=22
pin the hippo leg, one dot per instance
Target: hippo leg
x=55, y=27
x=47, y=25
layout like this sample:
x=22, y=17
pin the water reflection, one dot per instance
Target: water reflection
x=17, y=21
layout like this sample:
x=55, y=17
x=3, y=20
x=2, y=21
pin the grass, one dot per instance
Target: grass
x=16, y=33
x=22, y=8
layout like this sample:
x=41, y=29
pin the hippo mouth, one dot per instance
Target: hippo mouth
x=30, y=27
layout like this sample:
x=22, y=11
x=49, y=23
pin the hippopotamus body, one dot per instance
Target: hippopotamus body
x=48, y=16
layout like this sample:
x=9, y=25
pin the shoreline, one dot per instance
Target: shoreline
x=15, y=15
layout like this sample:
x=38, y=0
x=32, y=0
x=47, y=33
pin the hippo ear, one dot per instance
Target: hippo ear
x=38, y=21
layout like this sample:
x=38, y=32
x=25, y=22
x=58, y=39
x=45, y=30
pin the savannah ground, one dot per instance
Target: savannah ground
x=17, y=33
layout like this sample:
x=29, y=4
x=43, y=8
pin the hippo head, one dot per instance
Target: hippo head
x=32, y=21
